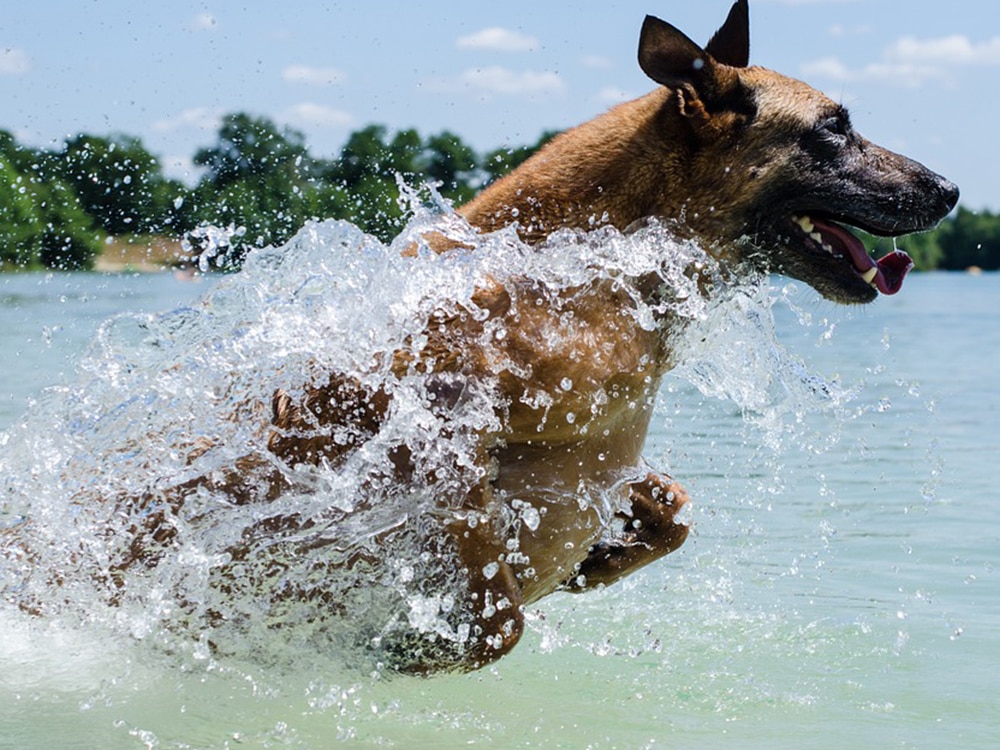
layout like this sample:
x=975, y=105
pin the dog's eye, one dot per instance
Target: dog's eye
x=835, y=126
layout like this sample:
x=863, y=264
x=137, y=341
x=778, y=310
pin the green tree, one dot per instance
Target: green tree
x=360, y=185
x=502, y=161
x=21, y=223
x=250, y=148
x=970, y=238
x=42, y=222
x=119, y=183
x=70, y=240
x=258, y=181
x=453, y=164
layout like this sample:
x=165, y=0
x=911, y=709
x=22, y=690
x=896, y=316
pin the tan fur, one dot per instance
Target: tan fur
x=676, y=154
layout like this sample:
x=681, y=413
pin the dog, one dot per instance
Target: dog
x=760, y=169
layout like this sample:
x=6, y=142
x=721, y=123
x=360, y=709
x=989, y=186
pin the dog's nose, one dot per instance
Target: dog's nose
x=949, y=194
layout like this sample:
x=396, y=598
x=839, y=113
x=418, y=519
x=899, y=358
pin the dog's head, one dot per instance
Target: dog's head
x=777, y=173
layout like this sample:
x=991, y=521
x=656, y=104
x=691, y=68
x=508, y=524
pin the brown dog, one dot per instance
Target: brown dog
x=760, y=169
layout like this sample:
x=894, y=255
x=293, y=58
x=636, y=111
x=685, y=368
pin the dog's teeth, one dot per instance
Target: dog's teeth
x=817, y=236
x=870, y=274
x=806, y=223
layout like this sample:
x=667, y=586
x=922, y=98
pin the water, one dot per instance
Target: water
x=840, y=584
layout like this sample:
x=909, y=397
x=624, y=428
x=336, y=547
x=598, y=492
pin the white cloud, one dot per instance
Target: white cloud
x=497, y=80
x=310, y=115
x=595, y=61
x=313, y=76
x=497, y=39
x=911, y=63
x=198, y=118
x=901, y=74
x=613, y=95
x=839, y=30
x=204, y=22
x=492, y=81
x=827, y=67
x=13, y=61
x=949, y=50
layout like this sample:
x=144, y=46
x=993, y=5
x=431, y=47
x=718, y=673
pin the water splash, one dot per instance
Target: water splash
x=163, y=401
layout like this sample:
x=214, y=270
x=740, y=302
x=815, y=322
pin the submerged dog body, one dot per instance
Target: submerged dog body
x=761, y=170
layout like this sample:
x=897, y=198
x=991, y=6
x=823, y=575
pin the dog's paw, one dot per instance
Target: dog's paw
x=656, y=520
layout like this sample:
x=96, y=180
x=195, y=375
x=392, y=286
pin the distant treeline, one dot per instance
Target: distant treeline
x=58, y=206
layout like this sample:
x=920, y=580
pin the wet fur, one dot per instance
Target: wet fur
x=725, y=152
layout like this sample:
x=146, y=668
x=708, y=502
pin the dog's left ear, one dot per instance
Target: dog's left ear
x=731, y=43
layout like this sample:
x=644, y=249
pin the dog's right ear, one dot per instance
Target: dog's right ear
x=671, y=59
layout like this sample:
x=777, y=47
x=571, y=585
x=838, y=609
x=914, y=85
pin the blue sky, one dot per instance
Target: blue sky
x=919, y=76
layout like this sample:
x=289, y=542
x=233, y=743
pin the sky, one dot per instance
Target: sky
x=920, y=76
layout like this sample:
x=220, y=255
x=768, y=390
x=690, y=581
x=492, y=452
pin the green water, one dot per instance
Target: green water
x=839, y=589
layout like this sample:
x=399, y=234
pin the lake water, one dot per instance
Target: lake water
x=840, y=587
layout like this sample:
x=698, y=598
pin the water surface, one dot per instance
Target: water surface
x=839, y=587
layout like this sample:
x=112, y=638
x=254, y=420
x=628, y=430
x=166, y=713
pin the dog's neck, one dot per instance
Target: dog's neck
x=620, y=169
x=608, y=171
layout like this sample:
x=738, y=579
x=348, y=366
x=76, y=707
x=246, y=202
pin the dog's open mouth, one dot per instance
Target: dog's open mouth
x=824, y=236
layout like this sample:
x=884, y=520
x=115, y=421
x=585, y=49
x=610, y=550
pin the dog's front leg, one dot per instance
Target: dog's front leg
x=651, y=531
x=494, y=594
x=488, y=612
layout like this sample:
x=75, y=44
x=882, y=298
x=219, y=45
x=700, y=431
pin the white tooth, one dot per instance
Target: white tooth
x=806, y=223
x=870, y=274
x=817, y=236
x=828, y=248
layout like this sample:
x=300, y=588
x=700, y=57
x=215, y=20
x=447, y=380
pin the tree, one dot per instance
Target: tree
x=70, y=241
x=361, y=186
x=502, y=161
x=21, y=223
x=258, y=182
x=969, y=239
x=453, y=164
x=252, y=148
x=42, y=221
x=118, y=182
x=261, y=181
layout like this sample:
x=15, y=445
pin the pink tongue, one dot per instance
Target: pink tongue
x=892, y=268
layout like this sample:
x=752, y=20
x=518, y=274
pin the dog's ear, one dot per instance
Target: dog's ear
x=671, y=59
x=731, y=43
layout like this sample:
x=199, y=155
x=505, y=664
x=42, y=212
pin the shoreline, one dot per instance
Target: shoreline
x=141, y=255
